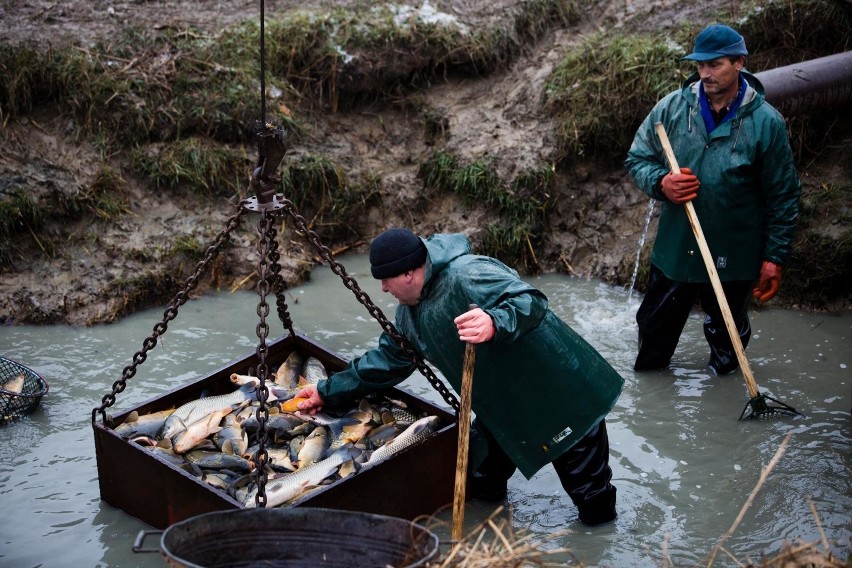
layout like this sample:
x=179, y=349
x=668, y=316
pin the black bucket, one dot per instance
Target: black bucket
x=295, y=538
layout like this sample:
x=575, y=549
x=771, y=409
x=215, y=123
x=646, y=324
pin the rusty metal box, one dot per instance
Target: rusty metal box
x=417, y=481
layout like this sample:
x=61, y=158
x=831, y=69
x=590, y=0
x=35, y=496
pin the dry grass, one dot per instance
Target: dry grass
x=495, y=544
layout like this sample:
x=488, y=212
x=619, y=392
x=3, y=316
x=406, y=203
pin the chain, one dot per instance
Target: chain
x=266, y=248
x=171, y=313
x=363, y=298
x=279, y=286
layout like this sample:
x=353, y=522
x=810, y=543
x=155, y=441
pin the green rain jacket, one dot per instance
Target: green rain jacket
x=538, y=386
x=748, y=200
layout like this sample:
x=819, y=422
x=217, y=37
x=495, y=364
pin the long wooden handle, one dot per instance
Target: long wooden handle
x=463, y=440
x=751, y=384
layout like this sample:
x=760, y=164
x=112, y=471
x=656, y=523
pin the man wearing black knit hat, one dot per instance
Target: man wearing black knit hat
x=525, y=353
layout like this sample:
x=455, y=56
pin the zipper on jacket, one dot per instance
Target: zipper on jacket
x=735, y=124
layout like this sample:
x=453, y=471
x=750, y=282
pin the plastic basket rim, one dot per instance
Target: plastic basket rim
x=42, y=382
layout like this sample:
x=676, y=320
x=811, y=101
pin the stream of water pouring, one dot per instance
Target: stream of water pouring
x=642, y=237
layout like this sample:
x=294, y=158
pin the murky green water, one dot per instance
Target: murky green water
x=684, y=465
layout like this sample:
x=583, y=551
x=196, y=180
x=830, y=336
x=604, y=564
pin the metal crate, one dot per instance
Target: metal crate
x=417, y=481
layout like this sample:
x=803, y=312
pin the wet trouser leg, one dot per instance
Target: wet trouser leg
x=583, y=471
x=585, y=474
x=490, y=479
x=723, y=358
x=661, y=318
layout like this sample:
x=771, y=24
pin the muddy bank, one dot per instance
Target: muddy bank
x=136, y=243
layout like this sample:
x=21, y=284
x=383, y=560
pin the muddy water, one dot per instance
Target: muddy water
x=683, y=464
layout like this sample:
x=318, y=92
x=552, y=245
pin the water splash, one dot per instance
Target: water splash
x=648, y=215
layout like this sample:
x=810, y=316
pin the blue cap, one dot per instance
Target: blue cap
x=717, y=41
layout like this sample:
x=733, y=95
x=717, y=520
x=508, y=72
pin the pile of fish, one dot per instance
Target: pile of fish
x=216, y=437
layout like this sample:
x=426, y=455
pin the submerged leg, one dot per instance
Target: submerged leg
x=723, y=358
x=489, y=480
x=661, y=318
x=585, y=475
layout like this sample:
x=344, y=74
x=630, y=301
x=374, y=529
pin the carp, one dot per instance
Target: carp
x=15, y=385
x=290, y=370
x=198, y=409
x=418, y=431
x=290, y=485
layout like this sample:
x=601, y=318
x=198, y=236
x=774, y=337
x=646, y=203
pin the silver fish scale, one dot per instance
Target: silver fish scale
x=403, y=417
x=203, y=406
x=290, y=485
x=417, y=432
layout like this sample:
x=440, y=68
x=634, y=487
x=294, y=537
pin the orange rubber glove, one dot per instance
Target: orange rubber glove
x=769, y=282
x=680, y=188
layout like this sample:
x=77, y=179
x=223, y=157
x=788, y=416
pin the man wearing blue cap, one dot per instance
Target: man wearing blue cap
x=528, y=361
x=741, y=178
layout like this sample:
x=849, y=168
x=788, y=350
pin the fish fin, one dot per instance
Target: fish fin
x=132, y=417
x=281, y=393
x=348, y=450
x=338, y=426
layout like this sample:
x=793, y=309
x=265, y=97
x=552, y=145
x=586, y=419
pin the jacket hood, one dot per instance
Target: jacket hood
x=443, y=249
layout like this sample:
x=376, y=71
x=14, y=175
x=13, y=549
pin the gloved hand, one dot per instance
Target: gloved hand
x=769, y=282
x=680, y=188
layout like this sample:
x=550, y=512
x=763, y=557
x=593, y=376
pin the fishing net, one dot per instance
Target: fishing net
x=14, y=403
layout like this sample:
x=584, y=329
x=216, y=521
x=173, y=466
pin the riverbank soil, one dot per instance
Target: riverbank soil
x=96, y=265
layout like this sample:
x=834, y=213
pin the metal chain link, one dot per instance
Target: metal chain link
x=363, y=298
x=265, y=248
x=279, y=286
x=170, y=313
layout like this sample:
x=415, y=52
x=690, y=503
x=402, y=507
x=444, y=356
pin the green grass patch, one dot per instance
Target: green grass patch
x=25, y=77
x=194, y=164
x=523, y=204
x=601, y=91
x=137, y=89
x=105, y=196
x=328, y=201
x=19, y=210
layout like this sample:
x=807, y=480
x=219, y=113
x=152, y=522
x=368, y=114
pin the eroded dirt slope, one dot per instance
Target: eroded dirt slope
x=594, y=233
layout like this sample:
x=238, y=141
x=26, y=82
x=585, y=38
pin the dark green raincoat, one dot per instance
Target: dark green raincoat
x=538, y=386
x=748, y=200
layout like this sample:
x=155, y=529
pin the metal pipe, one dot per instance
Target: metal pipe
x=817, y=84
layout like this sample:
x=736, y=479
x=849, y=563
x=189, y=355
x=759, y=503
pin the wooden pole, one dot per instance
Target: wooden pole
x=751, y=384
x=463, y=441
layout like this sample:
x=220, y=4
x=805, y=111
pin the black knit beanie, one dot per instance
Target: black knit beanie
x=394, y=252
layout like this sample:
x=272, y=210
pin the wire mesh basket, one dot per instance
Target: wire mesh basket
x=21, y=390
